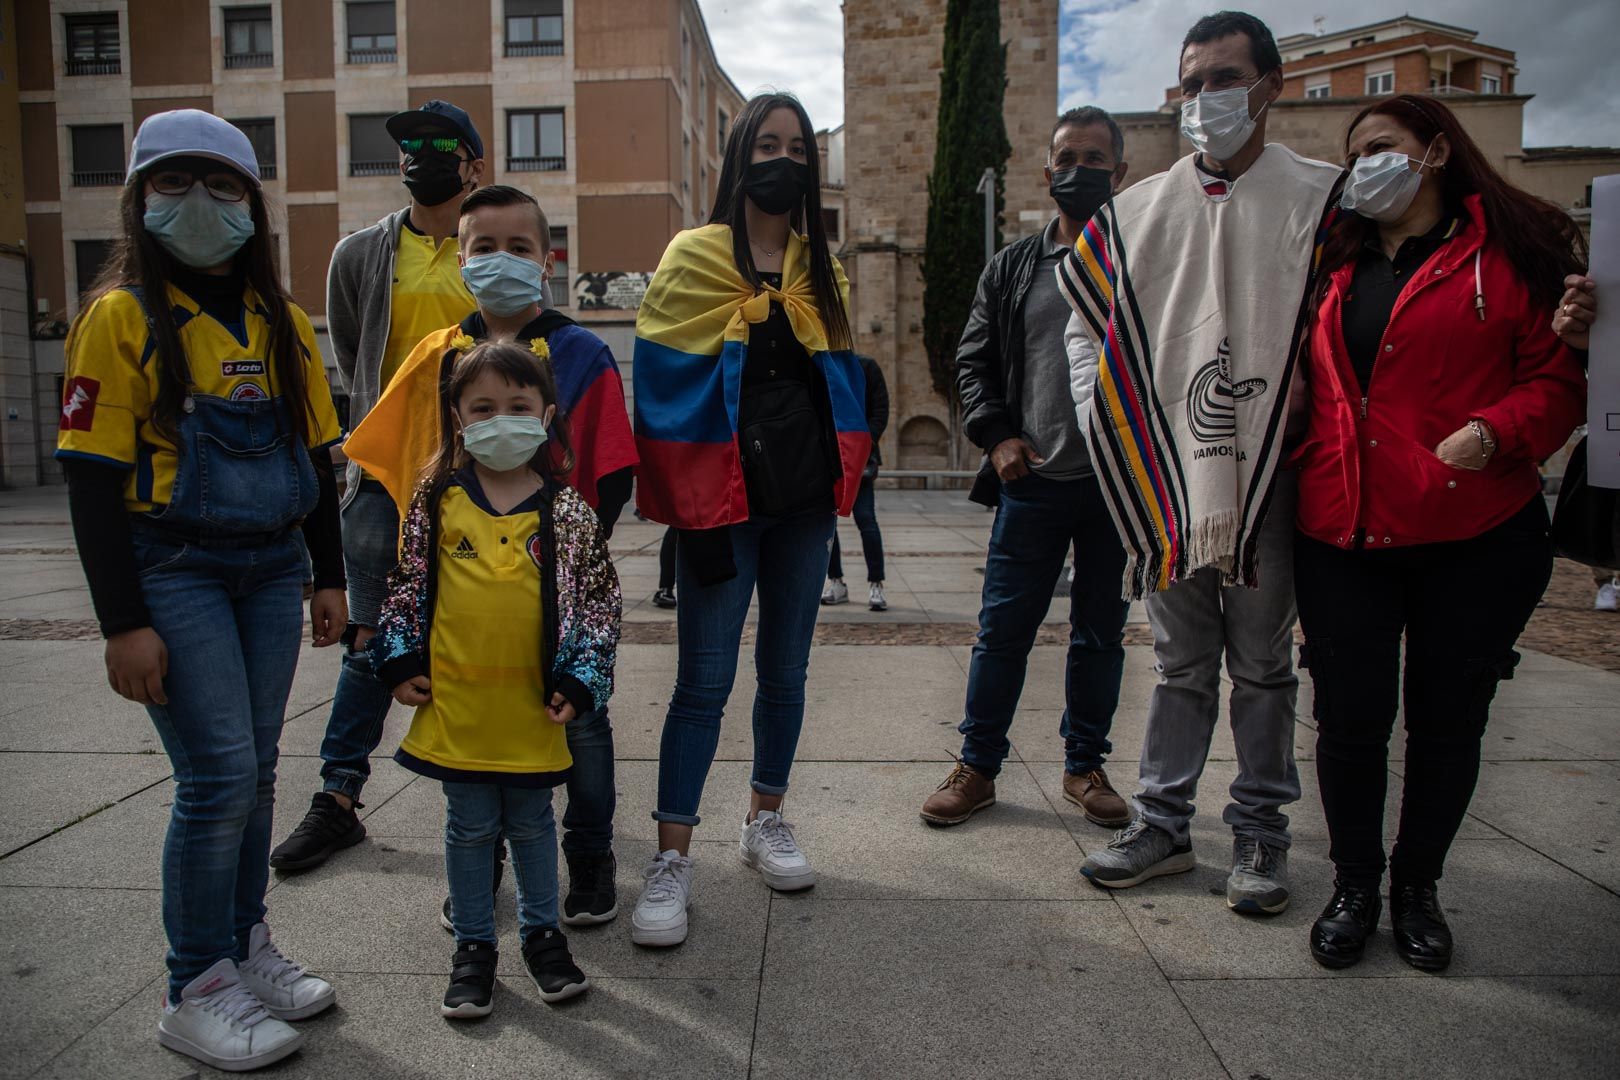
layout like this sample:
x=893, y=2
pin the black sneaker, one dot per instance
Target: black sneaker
x=495, y=887
x=664, y=598
x=593, y=897
x=472, y=981
x=545, y=954
x=327, y=828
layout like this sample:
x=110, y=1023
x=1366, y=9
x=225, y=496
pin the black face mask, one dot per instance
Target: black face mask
x=433, y=178
x=778, y=185
x=1081, y=192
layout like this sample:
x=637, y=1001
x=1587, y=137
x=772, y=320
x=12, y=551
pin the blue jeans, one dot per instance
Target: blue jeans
x=871, y=538
x=592, y=796
x=787, y=558
x=476, y=817
x=233, y=621
x=360, y=705
x=1037, y=522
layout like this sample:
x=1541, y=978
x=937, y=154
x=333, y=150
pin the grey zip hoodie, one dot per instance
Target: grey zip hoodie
x=359, y=299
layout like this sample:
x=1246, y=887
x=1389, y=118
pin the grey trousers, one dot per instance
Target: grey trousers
x=1196, y=622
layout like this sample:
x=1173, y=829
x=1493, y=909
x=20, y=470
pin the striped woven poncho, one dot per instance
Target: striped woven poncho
x=691, y=344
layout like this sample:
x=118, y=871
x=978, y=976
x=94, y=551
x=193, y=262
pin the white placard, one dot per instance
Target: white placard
x=1603, y=372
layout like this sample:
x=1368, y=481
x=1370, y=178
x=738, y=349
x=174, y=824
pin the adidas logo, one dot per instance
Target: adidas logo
x=465, y=550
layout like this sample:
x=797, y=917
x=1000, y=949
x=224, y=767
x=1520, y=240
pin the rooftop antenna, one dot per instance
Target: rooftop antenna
x=1321, y=24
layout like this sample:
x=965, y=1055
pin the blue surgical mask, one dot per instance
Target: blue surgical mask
x=504, y=283
x=196, y=228
x=503, y=443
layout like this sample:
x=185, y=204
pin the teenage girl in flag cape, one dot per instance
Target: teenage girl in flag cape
x=751, y=430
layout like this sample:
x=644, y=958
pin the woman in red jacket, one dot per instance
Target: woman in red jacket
x=1436, y=384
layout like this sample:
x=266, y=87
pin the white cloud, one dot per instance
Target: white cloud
x=1122, y=54
x=795, y=45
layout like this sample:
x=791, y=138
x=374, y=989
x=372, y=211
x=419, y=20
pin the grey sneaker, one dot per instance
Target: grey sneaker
x=1138, y=852
x=1259, y=881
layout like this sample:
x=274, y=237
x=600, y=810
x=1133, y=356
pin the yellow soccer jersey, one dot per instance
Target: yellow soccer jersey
x=428, y=295
x=487, y=713
x=112, y=384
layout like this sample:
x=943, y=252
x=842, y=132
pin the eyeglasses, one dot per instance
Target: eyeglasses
x=444, y=144
x=224, y=186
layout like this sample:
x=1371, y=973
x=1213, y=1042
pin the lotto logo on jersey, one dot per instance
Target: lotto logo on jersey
x=236, y=369
x=79, y=403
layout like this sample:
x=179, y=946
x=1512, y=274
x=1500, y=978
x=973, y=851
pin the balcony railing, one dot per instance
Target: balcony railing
x=536, y=164
x=94, y=67
x=267, y=170
x=101, y=178
x=373, y=56
x=249, y=60
x=534, y=48
x=373, y=168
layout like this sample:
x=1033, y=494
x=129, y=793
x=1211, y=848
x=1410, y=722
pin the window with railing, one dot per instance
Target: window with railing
x=1319, y=90
x=535, y=141
x=372, y=151
x=534, y=27
x=1490, y=84
x=92, y=44
x=1381, y=83
x=562, y=288
x=373, y=34
x=248, y=39
x=720, y=132
x=98, y=155
x=261, y=132
x=829, y=223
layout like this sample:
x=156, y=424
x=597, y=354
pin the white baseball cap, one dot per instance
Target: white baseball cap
x=192, y=133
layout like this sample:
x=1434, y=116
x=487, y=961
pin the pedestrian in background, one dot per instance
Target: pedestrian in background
x=195, y=436
x=1436, y=386
x=877, y=421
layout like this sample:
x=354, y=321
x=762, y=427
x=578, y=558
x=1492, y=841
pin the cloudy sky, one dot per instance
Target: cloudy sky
x=1120, y=54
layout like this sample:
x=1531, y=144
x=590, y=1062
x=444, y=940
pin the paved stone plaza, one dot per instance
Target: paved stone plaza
x=971, y=952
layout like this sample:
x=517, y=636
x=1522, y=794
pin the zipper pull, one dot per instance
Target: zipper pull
x=1364, y=407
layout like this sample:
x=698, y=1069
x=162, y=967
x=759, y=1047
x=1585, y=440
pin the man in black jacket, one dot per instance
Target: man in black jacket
x=877, y=420
x=1013, y=379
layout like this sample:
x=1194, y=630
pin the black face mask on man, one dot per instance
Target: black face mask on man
x=433, y=177
x=778, y=185
x=1080, y=191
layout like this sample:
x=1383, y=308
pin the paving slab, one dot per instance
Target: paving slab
x=388, y=1026
x=47, y=792
x=1465, y=1029
x=1586, y=731
x=867, y=988
x=85, y=952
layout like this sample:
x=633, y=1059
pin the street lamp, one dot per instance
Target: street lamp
x=987, y=188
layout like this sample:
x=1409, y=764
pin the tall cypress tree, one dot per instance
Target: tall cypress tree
x=971, y=136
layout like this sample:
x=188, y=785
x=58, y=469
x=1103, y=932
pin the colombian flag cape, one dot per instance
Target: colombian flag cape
x=691, y=344
x=401, y=434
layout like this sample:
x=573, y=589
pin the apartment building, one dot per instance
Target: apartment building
x=614, y=116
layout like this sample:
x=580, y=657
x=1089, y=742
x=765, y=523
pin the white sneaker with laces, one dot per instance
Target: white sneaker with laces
x=220, y=1022
x=836, y=592
x=768, y=846
x=1608, y=597
x=286, y=989
x=660, y=915
x=875, y=598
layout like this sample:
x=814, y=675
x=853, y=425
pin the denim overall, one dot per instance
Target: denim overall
x=222, y=574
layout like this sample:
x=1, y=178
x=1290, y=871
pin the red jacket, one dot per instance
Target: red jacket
x=1368, y=463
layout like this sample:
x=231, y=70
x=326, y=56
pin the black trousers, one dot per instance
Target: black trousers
x=1461, y=607
x=666, y=560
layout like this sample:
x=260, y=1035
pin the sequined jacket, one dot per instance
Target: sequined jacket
x=579, y=592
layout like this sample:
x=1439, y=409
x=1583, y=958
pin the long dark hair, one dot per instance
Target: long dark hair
x=1540, y=240
x=730, y=208
x=137, y=259
x=519, y=367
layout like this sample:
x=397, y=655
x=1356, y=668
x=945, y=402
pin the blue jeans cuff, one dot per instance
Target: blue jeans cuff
x=345, y=783
x=690, y=820
x=768, y=789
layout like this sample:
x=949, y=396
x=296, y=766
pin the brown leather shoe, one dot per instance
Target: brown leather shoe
x=1094, y=795
x=965, y=791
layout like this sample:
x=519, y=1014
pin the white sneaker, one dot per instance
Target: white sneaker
x=1608, y=597
x=836, y=592
x=768, y=846
x=284, y=987
x=875, y=598
x=660, y=915
x=221, y=1023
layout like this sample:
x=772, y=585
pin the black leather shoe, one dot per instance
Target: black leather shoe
x=1339, y=935
x=1421, y=935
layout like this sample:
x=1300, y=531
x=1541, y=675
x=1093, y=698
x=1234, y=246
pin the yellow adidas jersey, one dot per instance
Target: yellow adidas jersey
x=112, y=385
x=487, y=713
